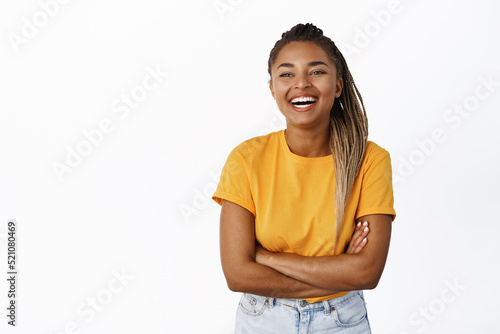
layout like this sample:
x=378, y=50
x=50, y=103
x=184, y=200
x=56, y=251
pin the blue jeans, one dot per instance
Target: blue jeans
x=261, y=315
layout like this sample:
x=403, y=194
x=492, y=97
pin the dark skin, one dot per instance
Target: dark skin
x=350, y=271
x=302, y=68
x=243, y=259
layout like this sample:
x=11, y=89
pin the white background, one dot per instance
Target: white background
x=139, y=202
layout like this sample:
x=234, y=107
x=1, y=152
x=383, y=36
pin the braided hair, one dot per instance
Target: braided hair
x=348, y=130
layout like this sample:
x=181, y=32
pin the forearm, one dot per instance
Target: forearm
x=353, y=271
x=265, y=281
x=339, y=272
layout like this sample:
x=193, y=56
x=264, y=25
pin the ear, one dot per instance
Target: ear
x=338, y=87
x=272, y=89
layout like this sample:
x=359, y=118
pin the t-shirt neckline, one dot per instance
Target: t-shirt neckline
x=284, y=146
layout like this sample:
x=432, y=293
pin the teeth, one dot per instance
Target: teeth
x=304, y=99
x=302, y=105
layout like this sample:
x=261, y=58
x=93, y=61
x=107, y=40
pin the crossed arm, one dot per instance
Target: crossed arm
x=250, y=268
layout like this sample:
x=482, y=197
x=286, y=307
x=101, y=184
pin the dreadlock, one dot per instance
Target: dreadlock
x=348, y=130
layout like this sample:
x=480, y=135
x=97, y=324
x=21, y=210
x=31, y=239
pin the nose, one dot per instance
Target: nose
x=302, y=81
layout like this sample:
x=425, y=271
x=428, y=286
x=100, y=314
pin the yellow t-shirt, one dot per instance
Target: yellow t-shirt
x=292, y=197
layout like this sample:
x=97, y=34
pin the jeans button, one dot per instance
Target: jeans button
x=303, y=303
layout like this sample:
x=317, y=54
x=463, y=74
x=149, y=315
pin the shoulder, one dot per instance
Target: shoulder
x=373, y=149
x=374, y=154
x=256, y=145
x=244, y=156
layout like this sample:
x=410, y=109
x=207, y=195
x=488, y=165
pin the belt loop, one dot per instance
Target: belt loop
x=327, y=307
x=270, y=301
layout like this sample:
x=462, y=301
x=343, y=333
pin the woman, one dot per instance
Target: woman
x=297, y=203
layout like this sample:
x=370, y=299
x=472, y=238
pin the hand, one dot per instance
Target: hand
x=261, y=254
x=358, y=240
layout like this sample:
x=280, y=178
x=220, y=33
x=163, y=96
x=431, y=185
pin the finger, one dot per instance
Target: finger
x=362, y=238
x=360, y=246
x=357, y=241
x=361, y=232
x=355, y=236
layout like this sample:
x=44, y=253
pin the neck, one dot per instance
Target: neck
x=307, y=142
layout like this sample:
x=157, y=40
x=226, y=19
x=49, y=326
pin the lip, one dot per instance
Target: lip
x=302, y=109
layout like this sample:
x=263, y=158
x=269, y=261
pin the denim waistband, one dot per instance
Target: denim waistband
x=304, y=305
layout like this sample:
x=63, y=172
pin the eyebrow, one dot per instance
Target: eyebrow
x=312, y=63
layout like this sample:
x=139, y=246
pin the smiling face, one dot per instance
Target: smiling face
x=304, y=84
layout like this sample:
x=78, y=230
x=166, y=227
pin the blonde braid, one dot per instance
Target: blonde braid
x=348, y=141
x=348, y=120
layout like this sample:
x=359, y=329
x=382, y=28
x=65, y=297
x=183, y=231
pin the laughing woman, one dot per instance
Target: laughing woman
x=299, y=205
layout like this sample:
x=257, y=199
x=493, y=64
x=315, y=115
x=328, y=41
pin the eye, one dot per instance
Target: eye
x=318, y=72
x=285, y=75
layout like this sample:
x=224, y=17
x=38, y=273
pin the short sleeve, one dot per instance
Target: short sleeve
x=234, y=184
x=376, y=196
